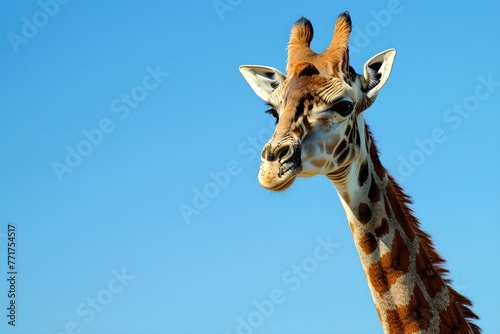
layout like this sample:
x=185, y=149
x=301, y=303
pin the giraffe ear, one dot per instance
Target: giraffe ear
x=263, y=80
x=377, y=71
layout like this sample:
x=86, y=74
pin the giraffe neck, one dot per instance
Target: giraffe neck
x=403, y=270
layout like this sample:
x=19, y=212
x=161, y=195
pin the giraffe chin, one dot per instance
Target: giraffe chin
x=278, y=178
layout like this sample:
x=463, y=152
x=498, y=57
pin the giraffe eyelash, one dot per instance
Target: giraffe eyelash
x=274, y=113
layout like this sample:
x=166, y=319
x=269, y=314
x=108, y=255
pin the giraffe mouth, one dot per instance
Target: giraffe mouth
x=277, y=176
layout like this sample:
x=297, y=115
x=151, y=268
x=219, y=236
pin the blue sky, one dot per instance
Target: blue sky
x=118, y=117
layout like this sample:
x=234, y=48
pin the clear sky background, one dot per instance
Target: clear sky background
x=130, y=149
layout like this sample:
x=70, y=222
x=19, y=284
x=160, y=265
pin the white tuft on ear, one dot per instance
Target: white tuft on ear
x=263, y=79
x=377, y=71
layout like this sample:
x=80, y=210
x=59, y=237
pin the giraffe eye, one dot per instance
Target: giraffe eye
x=273, y=112
x=343, y=107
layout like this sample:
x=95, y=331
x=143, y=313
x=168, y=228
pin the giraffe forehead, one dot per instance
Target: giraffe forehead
x=308, y=91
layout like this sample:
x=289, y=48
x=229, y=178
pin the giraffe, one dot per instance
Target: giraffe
x=320, y=129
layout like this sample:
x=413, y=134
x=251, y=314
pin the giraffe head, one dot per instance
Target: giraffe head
x=318, y=105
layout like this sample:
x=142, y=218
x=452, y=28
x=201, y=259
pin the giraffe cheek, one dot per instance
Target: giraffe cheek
x=330, y=147
x=308, y=151
x=318, y=163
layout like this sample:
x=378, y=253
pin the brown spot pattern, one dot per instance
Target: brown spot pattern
x=368, y=243
x=348, y=130
x=383, y=229
x=342, y=157
x=363, y=173
x=365, y=213
x=355, y=138
x=377, y=278
x=373, y=192
x=392, y=265
x=330, y=146
x=432, y=282
x=299, y=131
x=340, y=148
x=306, y=69
x=411, y=318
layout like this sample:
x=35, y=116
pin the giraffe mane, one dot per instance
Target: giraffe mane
x=405, y=214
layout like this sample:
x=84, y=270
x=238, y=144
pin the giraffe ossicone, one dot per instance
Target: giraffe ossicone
x=320, y=129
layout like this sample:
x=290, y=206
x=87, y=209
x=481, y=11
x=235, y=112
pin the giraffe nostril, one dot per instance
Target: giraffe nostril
x=284, y=152
x=270, y=156
x=281, y=153
x=267, y=154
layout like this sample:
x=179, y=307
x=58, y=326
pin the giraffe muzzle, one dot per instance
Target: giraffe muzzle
x=280, y=165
